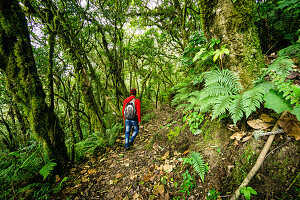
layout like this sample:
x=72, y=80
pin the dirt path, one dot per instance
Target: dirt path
x=147, y=171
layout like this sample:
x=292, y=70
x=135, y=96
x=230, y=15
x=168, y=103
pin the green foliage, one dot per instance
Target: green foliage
x=277, y=23
x=196, y=160
x=113, y=133
x=284, y=96
x=46, y=170
x=173, y=134
x=188, y=183
x=213, y=194
x=88, y=146
x=222, y=93
x=276, y=102
x=194, y=119
x=247, y=191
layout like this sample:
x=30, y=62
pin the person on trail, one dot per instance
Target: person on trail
x=132, y=117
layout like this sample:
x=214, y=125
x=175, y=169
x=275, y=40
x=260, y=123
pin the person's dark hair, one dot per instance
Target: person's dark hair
x=133, y=91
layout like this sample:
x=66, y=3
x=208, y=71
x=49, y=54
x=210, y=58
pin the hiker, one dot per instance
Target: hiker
x=132, y=116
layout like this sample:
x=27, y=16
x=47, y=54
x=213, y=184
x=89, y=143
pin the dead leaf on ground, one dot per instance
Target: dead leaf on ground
x=187, y=151
x=258, y=124
x=83, y=171
x=167, y=167
x=164, y=157
x=137, y=196
x=233, y=127
x=290, y=125
x=119, y=175
x=245, y=139
x=84, y=179
x=158, y=189
x=126, y=198
x=238, y=135
x=92, y=171
x=132, y=177
x=266, y=118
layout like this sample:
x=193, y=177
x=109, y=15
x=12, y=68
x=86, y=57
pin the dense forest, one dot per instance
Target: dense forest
x=218, y=82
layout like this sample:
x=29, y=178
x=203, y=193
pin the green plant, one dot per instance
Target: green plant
x=173, y=134
x=188, y=183
x=58, y=187
x=247, y=191
x=194, y=119
x=213, y=194
x=47, y=168
x=196, y=160
x=222, y=92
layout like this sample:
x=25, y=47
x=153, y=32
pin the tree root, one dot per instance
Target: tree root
x=258, y=163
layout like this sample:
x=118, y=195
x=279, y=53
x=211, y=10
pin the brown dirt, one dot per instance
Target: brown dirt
x=152, y=168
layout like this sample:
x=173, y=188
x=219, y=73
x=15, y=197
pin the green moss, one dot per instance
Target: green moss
x=242, y=15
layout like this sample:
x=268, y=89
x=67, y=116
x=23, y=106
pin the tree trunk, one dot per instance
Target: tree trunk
x=233, y=23
x=18, y=64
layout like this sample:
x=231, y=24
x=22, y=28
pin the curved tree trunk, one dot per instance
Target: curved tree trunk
x=18, y=64
x=233, y=23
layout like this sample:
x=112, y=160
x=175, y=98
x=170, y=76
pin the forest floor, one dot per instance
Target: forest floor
x=153, y=168
x=150, y=169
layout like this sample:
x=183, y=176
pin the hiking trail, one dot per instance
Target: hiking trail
x=145, y=171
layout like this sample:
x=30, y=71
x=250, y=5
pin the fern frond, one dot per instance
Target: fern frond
x=46, y=170
x=198, y=164
x=251, y=100
x=225, y=78
x=265, y=87
x=236, y=109
x=223, y=103
x=215, y=90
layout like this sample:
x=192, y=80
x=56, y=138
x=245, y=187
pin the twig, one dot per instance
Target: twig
x=259, y=161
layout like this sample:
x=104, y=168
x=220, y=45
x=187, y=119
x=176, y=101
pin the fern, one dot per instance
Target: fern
x=46, y=170
x=236, y=109
x=222, y=104
x=198, y=164
x=252, y=99
x=225, y=78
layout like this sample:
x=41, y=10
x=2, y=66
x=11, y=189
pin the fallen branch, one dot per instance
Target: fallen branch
x=258, y=163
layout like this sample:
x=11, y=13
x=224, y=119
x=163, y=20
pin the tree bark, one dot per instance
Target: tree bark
x=23, y=82
x=233, y=23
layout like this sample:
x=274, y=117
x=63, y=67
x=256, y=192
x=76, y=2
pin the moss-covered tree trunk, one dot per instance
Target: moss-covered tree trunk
x=18, y=64
x=232, y=22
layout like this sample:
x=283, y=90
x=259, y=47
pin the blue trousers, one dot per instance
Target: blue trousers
x=128, y=125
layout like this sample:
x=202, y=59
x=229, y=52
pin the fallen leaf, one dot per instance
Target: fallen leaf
x=258, y=124
x=238, y=135
x=233, y=127
x=164, y=157
x=111, y=182
x=158, y=189
x=126, y=198
x=92, y=171
x=266, y=118
x=119, y=175
x=168, y=168
x=84, y=179
x=57, y=178
x=137, y=196
x=245, y=139
x=83, y=171
x=132, y=177
x=185, y=152
x=290, y=125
